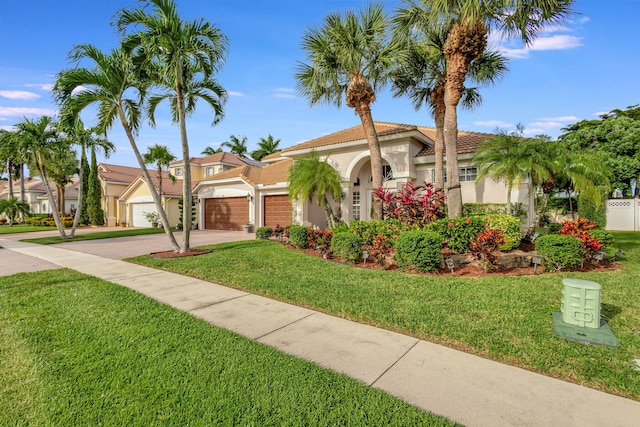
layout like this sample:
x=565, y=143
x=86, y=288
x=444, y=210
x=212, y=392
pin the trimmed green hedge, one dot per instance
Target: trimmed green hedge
x=263, y=233
x=419, y=249
x=560, y=251
x=299, y=236
x=347, y=246
x=510, y=227
x=458, y=232
x=369, y=230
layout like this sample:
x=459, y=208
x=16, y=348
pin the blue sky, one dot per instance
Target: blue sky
x=588, y=66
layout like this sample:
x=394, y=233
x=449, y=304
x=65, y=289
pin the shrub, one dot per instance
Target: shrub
x=469, y=209
x=560, y=251
x=263, y=233
x=412, y=204
x=485, y=244
x=594, y=207
x=420, y=249
x=299, y=236
x=581, y=228
x=606, y=239
x=368, y=231
x=510, y=227
x=319, y=240
x=347, y=246
x=459, y=232
x=554, y=228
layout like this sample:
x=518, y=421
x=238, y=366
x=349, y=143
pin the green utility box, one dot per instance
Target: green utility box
x=581, y=303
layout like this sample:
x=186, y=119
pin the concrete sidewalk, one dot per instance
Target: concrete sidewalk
x=462, y=387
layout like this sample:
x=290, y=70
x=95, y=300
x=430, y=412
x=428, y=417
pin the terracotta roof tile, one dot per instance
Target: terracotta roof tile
x=275, y=172
x=354, y=133
x=118, y=174
x=221, y=157
x=467, y=141
x=248, y=173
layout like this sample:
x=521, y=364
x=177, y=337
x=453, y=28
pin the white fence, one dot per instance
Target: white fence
x=623, y=214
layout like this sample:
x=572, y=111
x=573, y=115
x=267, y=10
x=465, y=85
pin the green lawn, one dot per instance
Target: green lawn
x=507, y=319
x=76, y=350
x=22, y=228
x=95, y=235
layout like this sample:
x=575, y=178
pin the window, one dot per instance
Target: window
x=356, y=205
x=387, y=173
x=178, y=172
x=468, y=174
x=208, y=171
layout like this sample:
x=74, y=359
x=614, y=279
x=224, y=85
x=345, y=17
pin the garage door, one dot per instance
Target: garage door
x=226, y=214
x=277, y=211
x=137, y=214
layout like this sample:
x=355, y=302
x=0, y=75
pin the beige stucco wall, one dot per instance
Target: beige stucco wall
x=141, y=193
x=113, y=211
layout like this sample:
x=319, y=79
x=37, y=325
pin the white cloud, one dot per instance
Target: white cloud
x=493, y=123
x=533, y=131
x=547, y=124
x=19, y=95
x=78, y=89
x=600, y=113
x=8, y=128
x=43, y=86
x=232, y=93
x=558, y=42
x=284, y=92
x=19, y=112
x=559, y=119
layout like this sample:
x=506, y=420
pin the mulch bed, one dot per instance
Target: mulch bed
x=172, y=254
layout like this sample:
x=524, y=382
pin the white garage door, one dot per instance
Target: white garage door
x=137, y=216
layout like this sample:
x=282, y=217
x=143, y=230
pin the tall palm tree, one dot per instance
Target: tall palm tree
x=8, y=145
x=266, y=146
x=510, y=157
x=84, y=138
x=160, y=156
x=309, y=178
x=210, y=150
x=188, y=54
x=422, y=77
x=236, y=145
x=13, y=207
x=351, y=55
x=115, y=86
x=466, y=42
x=62, y=165
x=40, y=140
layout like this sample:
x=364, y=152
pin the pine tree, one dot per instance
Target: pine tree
x=94, y=209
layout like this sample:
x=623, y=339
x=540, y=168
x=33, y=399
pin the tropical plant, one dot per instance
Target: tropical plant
x=560, y=251
x=13, y=155
x=118, y=88
x=62, y=165
x=467, y=41
x=40, y=139
x=510, y=157
x=412, y=204
x=181, y=58
x=351, y=55
x=236, y=145
x=347, y=246
x=160, y=156
x=94, y=193
x=266, y=146
x=210, y=150
x=422, y=76
x=309, y=178
x=485, y=244
x=12, y=207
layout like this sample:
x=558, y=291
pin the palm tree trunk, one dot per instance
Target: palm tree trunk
x=22, y=196
x=437, y=97
x=52, y=201
x=364, y=111
x=10, y=174
x=76, y=217
x=509, y=188
x=186, y=164
x=147, y=177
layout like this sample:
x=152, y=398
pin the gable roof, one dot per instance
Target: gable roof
x=275, y=172
x=169, y=188
x=250, y=174
x=253, y=175
x=118, y=174
x=467, y=141
x=216, y=158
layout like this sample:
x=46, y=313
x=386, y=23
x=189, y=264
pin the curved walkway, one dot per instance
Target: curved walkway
x=465, y=388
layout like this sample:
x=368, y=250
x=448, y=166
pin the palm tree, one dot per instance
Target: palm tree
x=311, y=177
x=237, y=145
x=351, y=55
x=13, y=207
x=510, y=157
x=8, y=144
x=62, y=165
x=85, y=138
x=422, y=76
x=161, y=157
x=118, y=89
x=266, y=146
x=467, y=40
x=40, y=140
x=187, y=55
x=210, y=150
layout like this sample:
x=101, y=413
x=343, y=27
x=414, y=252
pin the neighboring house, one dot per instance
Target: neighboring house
x=36, y=196
x=114, y=180
x=204, y=167
x=136, y=200
x=407, y=153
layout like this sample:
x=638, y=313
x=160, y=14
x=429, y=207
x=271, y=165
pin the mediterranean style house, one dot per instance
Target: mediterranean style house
x=258, y=194
x=36, y=196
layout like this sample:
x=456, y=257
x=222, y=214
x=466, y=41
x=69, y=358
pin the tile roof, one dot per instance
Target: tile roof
x=118, y=174
x=354, y=133
x=169, y=188
x=467, y=141
x=253, y=175
x=221, y=157
x=248, y=173
x=277, y=156
x=275, y=172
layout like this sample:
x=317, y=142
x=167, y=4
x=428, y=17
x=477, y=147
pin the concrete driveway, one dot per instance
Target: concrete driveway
x=117, y=248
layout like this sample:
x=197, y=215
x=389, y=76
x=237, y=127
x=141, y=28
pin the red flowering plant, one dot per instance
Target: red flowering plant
x=485, y=244
x=412, y=205
x=320, y=240
x=580, y=228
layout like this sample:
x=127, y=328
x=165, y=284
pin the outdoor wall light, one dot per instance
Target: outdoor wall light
x=599, y=257
x=365, y=256
x=536, y=260
x=450, y=264
x=249, y=198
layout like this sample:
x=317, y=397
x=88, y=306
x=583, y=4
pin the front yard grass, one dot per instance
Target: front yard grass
x=507, y=319
x=52, y=240
x=23, y=228
x=76, y=350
